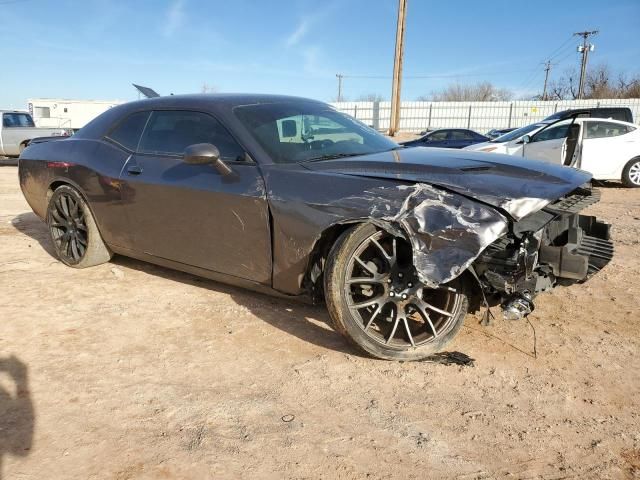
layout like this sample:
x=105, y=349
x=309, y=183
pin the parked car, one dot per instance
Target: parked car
x=447, y=138
x=608, y=149
x=17, y=128
x=290, y=197
x=615, y=113
x=497, y=132
x=509, y=143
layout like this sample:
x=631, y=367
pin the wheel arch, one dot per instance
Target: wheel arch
x=59, y=182
x=313, y=278
x=625, y=168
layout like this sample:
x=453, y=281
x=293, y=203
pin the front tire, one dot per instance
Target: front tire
x=631, y=173
x=73, y=230
x=376, y=300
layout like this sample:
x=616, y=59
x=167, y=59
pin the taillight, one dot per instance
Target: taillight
x=58, y=164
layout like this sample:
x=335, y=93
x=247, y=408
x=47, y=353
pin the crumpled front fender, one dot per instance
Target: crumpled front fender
x=447, y=231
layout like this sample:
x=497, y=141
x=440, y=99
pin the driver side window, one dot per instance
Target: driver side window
x=169, y=132
x=553, y=133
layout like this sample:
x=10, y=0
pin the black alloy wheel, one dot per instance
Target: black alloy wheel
x=68, y=228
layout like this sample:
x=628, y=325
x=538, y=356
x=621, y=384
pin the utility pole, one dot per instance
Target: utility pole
x=339, y=76
x=547, y=69
x=584, y=49
x=397, y=69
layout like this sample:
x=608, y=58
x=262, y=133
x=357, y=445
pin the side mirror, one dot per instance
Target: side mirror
x=204, y=153
x=526, y=139
x=289, y=129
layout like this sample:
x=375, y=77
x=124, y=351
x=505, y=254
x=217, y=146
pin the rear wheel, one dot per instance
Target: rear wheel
x=73, y=230
x=631, y=173
x=376, y=299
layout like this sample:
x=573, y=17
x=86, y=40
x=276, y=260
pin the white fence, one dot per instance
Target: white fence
x=479, y=116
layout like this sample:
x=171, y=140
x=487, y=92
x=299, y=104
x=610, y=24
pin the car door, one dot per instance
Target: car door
x=548, y=145
x=605, y=145
x=192, y=214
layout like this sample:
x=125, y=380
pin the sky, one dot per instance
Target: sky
x=95, y=49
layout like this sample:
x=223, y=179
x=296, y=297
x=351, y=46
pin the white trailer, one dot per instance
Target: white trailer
x=65, y=113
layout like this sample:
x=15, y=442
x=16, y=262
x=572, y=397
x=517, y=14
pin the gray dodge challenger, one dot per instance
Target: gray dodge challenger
x=290, y=197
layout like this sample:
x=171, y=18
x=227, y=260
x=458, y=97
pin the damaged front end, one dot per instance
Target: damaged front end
x=554, y=246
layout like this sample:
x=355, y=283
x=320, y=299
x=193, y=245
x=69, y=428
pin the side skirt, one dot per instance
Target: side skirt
x=209, y=274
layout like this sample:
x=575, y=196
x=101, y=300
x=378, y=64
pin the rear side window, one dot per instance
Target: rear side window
x=605, y=129
x=461, y=135
x=622, y=114
x=437, y=136
x=170, y=132
x=127, y=133
x=17, y=120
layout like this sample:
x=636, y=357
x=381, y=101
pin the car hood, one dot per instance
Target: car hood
x=515, y=185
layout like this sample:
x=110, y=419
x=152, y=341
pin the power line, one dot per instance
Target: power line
x=557, y=50
x=415, y=77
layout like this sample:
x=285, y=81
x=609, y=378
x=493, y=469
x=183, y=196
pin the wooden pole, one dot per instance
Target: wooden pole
x=397, y=69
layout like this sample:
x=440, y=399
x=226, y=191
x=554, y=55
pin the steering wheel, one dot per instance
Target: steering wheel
x=326, y=143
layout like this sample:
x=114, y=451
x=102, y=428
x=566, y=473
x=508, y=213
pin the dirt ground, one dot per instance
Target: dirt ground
x=130, y=371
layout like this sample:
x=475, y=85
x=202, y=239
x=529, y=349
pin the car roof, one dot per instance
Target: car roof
x=451, y=128
x=229, y=99
x=597, y=119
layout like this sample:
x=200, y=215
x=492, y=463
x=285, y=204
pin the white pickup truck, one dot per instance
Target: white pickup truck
x=17, y=128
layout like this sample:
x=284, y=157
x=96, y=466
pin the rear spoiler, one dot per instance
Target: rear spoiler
x=33, y=141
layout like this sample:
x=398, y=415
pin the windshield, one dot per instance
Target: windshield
x=518, y=133
x=299, y=132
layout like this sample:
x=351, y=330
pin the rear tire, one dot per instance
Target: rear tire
x=376, y=300
x=631, y=173
x=73, y=230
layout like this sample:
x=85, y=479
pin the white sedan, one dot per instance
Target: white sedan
x=608, y=149
x=511, y=142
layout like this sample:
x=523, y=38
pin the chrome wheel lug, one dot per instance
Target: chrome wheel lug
x=392, y=294
x=404, y=296
x=400, y=275
x=409, y=284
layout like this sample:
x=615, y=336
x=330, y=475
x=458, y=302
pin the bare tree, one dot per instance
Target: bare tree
x=599, y=83
x=479, y=92
x=371, y=97
x=206, y=88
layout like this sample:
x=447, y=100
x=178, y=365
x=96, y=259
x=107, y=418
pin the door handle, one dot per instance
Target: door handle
x=134, y=170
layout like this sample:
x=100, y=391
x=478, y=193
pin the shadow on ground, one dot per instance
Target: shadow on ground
x=16, y=410
x=31, y=225
x=291, y=316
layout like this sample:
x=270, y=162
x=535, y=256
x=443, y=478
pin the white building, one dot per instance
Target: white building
x=64, y=113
